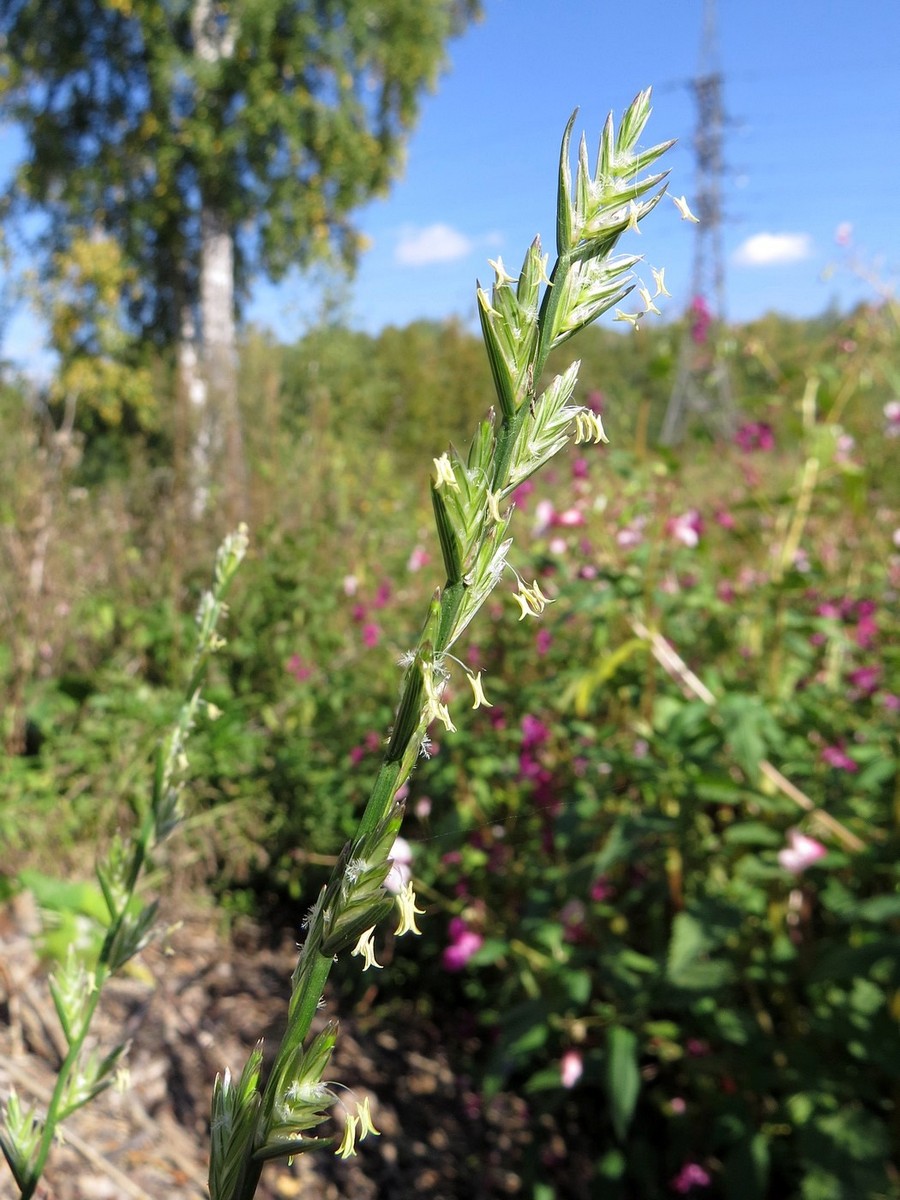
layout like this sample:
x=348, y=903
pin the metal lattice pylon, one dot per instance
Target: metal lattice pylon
x=702, y=388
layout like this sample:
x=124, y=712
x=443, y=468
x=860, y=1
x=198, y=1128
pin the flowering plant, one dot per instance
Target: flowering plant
x=522, y=321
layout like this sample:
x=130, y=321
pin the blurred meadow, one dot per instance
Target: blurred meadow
x=616, y=928
x=660, y=868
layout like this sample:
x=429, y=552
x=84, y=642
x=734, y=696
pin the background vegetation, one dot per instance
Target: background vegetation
x=615, y=930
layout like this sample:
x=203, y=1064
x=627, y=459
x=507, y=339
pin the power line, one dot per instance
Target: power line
x=702, y=381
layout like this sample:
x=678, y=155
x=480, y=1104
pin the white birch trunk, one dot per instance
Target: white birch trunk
x=208, y=358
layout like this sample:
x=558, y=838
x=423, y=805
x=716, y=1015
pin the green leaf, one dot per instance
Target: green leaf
x=688, y=965
x=751, y=833
x=747, y=1169
x=623, y=1079
x=879, y=909
x=60, y=896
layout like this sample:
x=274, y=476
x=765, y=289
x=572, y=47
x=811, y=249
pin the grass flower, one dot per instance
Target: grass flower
x=523, y=319
x=365, y=948
x=682, y=205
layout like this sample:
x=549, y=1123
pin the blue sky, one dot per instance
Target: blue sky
x=812, y=94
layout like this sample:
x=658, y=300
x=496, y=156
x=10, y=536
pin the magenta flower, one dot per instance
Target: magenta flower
x=866, y=625
x=686, y=528
x=701, y=319
x=543, y=640
x=755, y=435
x=865, y=678
x=801, y=852
x=691, y=1176
x=522, y=492
x=580, y=468
x=534, y=732
x=602, y=889
x=298, y=668
x=371, y=634
x=835, y=757
x=464, y=942
x=571, y=1068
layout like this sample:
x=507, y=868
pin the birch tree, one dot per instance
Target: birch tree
x=214, y=140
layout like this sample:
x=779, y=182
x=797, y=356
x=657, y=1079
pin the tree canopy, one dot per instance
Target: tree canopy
x=279, y=116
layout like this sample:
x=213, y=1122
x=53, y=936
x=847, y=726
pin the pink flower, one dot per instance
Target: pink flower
x=697, y=1047
x=865, y=678
x=580, y=468
x=602, y=889
x=691, y=1176
x=844, y=448
x=371, y=634
x=544, y=515
x=418, y=559
x=801, y=852
x=543, y=640
x=400, y=874
x=701, y=319
x=522, y=492
x=464, y=942
x=677, y=1106
x=686, y=528
x=633, y=534
x=534, y=732
x=754, y=435
x=835, y=757
x=298, y=668
x=571, y=1068
x=892, y=417
x=570, y=518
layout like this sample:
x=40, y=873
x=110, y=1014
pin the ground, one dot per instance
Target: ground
x=198, y=1003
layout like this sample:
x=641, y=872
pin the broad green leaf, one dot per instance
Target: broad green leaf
x=623, y=1079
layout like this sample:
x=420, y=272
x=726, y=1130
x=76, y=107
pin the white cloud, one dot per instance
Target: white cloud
x=773, y=249
x=433, y=244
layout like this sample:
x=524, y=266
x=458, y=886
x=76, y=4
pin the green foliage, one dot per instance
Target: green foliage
x=618, y=851
x=98, y=373
x=626, y=871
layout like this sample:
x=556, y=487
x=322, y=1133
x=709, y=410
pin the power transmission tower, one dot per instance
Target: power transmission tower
x=702, y=381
